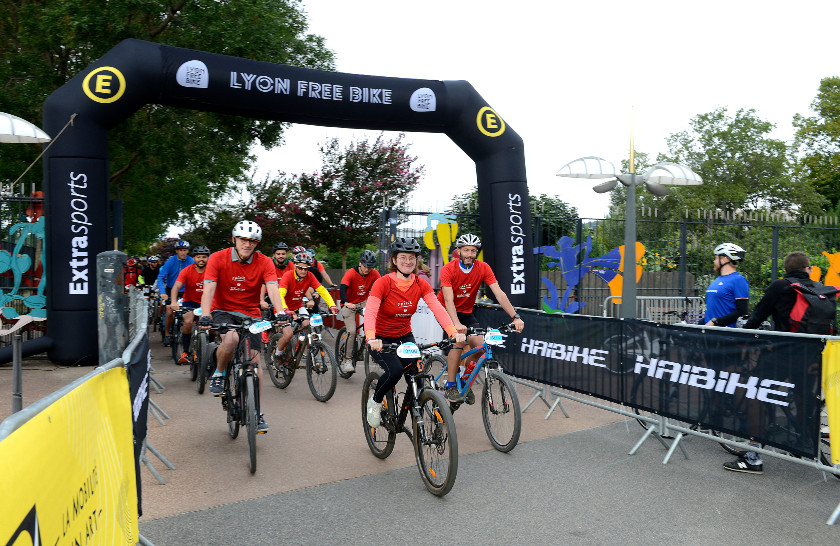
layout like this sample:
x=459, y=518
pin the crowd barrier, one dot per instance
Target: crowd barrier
x=729, y=385
x=71, y=459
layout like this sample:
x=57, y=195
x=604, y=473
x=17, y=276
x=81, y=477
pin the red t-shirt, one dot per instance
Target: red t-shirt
x=296, y=288
x=193, y=282
x=393, y=317
x=238, y=285
x=465, y=285
x=358, y=286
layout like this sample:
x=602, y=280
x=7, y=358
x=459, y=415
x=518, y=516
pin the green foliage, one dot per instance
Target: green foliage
x=818, y=140
x=164, y=161
x=335, y=210
x=742, y=168
x=339, y=206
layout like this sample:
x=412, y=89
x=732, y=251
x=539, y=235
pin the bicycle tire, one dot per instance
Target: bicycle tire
x=738, y=452
x=436, y=446
x=176, y=341
x=195, y=361
x=434, y=365
x=204, y=358
x=250, y=418
x=341, y=351
x=232, y=414
x=280, y=368
x=500, y=406
x=321, y=371
x=380, y=440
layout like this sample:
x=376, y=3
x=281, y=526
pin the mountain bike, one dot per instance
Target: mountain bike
x=321, y=368
x=432, y=427
x=177, y=326
x=358, y=348
x=240, y=398
x=500, y=409
x=199, y=356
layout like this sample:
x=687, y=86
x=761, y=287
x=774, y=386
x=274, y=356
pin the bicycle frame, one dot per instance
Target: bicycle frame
x=463, y=384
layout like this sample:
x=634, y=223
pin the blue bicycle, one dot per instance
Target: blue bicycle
x=500, y=409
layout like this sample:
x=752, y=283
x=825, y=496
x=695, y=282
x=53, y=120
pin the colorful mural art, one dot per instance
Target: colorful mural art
x=23, y=272
x=609, y=268
x=443, y=235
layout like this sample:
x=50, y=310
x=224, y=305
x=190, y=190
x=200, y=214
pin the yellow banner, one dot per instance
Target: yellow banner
x=68, y=473
x=831, y=389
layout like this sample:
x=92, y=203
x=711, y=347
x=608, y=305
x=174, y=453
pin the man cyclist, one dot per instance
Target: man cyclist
x=728, y=297
x=293, y=288
x=169, y=272
x=353, y=291
x=278, y=255
x=392, y=301
x=192, y=281
x=459, y=283
x=232, y=283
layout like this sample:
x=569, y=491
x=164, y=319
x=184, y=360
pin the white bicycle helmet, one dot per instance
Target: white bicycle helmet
x=248, y=230
x=468, y=239
x=733, y=251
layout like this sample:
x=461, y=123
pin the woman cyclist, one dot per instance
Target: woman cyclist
x=392, y=301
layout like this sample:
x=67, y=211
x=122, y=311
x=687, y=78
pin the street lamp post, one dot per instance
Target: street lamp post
x=654, y=179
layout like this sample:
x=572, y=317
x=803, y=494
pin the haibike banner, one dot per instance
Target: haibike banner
x=760, y=386
x=136, y=73
x=68, y=474
x=138, y=387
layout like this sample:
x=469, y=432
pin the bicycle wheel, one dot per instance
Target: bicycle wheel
x=250, y=418
x=203, y=357
x=321, y=371
x=232, y=413
x=176, y=340
x=195, y=357
x=737, y=451
x=341, y=351
x=500, y=412
x=436, y=443
x=280, y=367
x=435, y=365
x=380, y=440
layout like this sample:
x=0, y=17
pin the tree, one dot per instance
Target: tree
x=180, y=158
x=742, y=168
x=818, y=140
x=339, y=206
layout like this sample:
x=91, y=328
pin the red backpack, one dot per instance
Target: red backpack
x=815, y=309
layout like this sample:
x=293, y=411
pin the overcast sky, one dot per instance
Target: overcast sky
x=566, y=75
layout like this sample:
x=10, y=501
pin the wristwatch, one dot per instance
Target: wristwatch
x=714, y=321
x=516, y=316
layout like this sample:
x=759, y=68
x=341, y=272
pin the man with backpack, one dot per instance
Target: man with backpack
x=797, y=304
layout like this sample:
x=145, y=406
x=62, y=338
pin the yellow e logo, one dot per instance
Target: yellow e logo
x=102, y=88
x=489, y=122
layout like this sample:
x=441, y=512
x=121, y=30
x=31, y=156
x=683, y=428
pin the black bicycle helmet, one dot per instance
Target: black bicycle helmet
x=405, y=244
x=368, y=259
x=201, y=249
x=280, y=246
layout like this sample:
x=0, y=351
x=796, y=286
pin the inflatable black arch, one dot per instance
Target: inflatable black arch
x=135, y=73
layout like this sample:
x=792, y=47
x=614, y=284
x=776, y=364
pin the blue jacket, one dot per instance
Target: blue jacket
x=169, y=273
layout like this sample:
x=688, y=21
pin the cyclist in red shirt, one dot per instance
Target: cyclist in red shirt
x=192, y=279
x=459, y=283
x=353, y=291
x=392, y=301
x=293, y=287
x=232, y=283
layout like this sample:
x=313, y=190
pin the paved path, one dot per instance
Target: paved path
x=569, y=481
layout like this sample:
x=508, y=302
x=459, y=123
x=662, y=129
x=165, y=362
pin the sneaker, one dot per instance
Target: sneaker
x=262, y=426
x=217, y=385
x=185, y=358
x=470, y=396
x=452, y=395
x=374, y=413
x=347, y=367
x=742, y=465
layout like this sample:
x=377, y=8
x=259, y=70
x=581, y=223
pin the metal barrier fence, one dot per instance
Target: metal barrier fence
x=661, y=310
x=679, y=380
